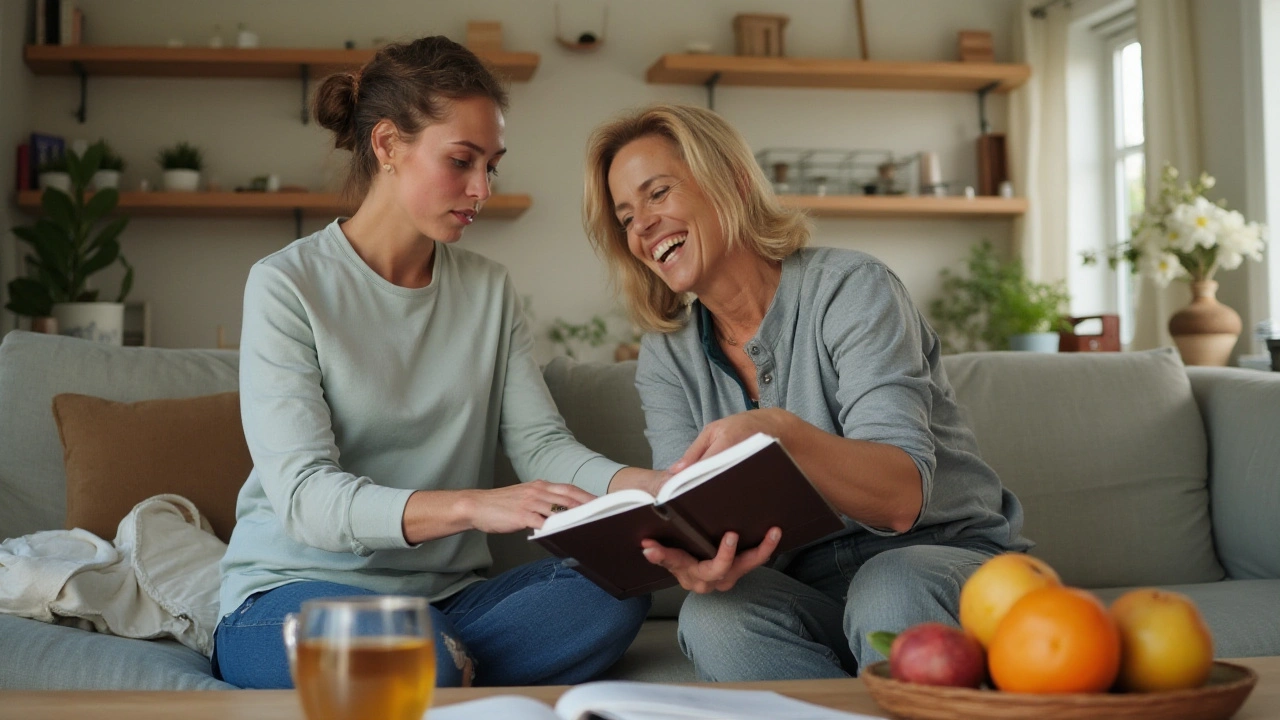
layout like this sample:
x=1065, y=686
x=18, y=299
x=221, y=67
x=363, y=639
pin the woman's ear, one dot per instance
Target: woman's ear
x=384, y=138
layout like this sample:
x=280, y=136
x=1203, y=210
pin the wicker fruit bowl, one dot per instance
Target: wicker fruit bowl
x=1219, y=699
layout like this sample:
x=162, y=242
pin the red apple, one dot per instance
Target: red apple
x=936, y=654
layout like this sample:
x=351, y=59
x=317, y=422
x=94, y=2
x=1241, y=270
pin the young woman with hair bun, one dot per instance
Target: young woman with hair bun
x=379, y=367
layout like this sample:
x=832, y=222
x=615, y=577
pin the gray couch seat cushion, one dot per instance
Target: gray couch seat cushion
x=1244, y=615
x=1107, y=453
x=40, y=656
x=35, y=367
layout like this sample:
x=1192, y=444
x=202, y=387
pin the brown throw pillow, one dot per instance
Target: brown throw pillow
x=119, y=454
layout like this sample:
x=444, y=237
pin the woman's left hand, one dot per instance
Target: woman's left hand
x=719, y=573
x=727, y=432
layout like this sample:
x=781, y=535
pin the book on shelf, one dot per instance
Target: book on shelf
x=628, y=700
x=44, y=147
x=22, y=167
x=747, y=488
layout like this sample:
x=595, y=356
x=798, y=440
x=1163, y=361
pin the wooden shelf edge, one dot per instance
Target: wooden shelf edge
x=694, y=69
x=154, y=61
x=907, y=207
x=223, y=204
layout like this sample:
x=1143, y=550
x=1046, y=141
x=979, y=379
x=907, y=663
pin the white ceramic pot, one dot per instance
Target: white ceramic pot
x=96, y=321
x=1035, y=342
x=181, y=180
x=59, y=180
x=104, y=179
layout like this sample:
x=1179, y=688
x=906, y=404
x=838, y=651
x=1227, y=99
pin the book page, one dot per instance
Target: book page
x=508, y=707
x=626, y=700
x=707, y=468
x=602, y=507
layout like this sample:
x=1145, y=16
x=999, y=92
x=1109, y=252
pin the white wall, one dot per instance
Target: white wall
x=192, y=270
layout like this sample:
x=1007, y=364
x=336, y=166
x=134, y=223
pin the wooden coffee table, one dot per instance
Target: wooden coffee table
x=849, y=695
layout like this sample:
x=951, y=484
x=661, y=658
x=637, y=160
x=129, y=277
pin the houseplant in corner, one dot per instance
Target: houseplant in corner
x=995, y=306
x=1184, y=235
x=67, y=251
x=182, y=164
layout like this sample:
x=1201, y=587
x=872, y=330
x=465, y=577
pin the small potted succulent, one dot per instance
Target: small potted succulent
x=52, y=173
x=108, y=174
x=182, y=164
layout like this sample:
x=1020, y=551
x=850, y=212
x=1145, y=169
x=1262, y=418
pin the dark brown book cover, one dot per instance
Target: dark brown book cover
x=763, y=490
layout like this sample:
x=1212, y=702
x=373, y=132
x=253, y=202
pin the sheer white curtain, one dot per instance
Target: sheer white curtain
x=1172, y=125
x=1038, y=142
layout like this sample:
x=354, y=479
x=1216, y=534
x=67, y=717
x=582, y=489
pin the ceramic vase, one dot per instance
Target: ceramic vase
x=103, y=179
x=1206, y=330
x=96, y=321
x=180, y=180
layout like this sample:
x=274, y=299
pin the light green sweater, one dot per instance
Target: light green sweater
x=356, y=392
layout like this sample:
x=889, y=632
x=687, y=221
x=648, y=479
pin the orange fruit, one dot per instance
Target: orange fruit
x=989, y=593
x=1165, y=644
x=1055, y=640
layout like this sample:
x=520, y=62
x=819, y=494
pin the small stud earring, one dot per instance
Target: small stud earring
x=386, y=166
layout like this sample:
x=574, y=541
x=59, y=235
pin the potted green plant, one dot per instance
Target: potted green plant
x=66, y=252
x=182, y=164
x=108, y=174
x=995, y=306
x=53, y=173
x=593, y=333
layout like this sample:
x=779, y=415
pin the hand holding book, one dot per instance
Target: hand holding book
x=747, y=490
x=721, y=572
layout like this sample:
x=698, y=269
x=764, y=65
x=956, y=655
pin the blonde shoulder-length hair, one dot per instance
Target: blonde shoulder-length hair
x=721, y=163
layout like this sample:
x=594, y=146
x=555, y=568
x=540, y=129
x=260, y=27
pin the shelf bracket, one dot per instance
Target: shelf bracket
x=711, y=89
x=297, y=223
x=304, y=74
x=983, y=126
x=78, y=68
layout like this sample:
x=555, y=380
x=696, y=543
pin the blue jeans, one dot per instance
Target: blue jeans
x=811, y=620
x=540, y=623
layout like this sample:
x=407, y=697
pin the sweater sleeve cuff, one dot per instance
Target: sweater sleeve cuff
x=595, y=474
x=377, y=519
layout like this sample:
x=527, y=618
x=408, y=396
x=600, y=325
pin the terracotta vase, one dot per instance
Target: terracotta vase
x=1206, y=330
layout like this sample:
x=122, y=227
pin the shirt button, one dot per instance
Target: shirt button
x=755, y=349
x=767, y=379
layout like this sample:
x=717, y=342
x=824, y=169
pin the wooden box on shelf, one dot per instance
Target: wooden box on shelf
x=759, y=35
x=976, y=46
x=1107, y=340
x=993, y=163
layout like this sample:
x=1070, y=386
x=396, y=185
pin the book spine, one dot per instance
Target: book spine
x=40, y=31
x=700, y=545
x=66, y=22
x=23, y=180
x=52, y=21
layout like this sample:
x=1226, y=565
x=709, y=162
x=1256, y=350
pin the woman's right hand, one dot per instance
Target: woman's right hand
x=523, y=506
x=721, y=572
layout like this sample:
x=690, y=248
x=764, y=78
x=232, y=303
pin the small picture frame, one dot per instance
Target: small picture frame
x=137, y=324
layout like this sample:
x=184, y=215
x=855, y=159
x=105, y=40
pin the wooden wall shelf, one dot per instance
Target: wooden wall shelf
x=226, y=62
x=680, y=69
x=907, y=207
x=256, y=204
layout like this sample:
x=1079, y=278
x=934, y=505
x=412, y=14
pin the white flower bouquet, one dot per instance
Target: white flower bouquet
x=1184, y=235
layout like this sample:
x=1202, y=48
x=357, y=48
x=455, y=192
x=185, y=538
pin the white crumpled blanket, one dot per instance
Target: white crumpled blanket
x=158, y=578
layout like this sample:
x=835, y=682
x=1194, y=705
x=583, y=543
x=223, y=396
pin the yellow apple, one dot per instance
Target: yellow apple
x=1165, y=644
x=996, y=586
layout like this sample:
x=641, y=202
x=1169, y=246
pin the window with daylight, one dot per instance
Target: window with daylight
x=1127, y=161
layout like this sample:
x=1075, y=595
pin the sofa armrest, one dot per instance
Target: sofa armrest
x=1241, y=411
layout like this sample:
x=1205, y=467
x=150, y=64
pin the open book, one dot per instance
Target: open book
x=747, y=489
x=622, y=700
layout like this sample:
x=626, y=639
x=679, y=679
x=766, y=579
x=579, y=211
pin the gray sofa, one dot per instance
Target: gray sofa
x=1133, y=471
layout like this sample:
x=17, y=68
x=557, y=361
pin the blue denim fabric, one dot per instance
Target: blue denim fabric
x=811, y=619
x=537, y=624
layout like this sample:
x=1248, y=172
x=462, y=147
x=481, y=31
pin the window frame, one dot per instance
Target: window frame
x=1116, y=153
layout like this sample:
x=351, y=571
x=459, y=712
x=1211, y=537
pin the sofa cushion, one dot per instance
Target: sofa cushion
x=1241, y=614
x=1107, y=453
x=36, y=367
x=41, y=656
x=1241, y=409
x=119, y=454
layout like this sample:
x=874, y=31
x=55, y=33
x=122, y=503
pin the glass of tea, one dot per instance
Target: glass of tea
x=362, y=658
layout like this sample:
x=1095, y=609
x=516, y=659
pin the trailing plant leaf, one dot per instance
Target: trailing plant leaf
x=28, y=296
x=881, y=641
